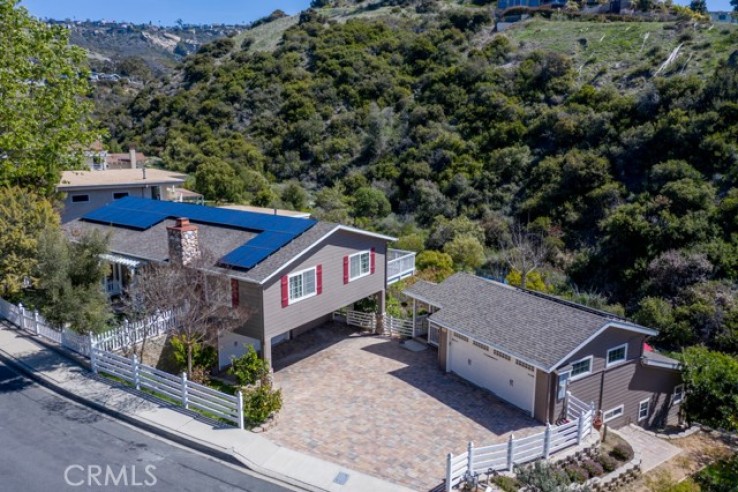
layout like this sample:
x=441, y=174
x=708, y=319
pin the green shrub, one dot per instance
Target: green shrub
x=507, y=484
x=608, y=463
x=593, y=468
x=721, y=476
x=261, y=402
x=622, y=452
x=576, y=473
x=249, y=368
x=203, y=357
x=541, y=476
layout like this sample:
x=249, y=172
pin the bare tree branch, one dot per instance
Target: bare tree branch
x=523, y=251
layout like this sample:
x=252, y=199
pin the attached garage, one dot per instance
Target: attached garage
x=505, y=376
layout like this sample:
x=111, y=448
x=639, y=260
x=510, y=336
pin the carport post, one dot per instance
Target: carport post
x=449, y=486
x=470, y=458
x=380, y=312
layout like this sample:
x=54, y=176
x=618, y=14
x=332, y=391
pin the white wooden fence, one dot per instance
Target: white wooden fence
x=132, y=333
x=504, y=456
x=398, y=327
x=168, y=387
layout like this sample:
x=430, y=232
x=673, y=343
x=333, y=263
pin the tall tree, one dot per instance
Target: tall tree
x=524, y=251
x=44, y=113
x=23, y=217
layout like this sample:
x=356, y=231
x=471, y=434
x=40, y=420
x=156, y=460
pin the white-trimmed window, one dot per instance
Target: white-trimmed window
x=678, y=395
x=302, y=285
x=581, y=368
x=613, y=413
x=360, y=265
x=617, y=355
x=643, y=408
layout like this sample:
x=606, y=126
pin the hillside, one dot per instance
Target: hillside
x=417, y=119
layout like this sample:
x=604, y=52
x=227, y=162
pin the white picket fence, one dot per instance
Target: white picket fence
x=168, y=387
x=125, y=336
x=504, y=456
x=399, y=327
x=130, y=334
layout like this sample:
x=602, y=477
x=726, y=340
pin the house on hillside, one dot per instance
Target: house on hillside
x=88, y=190
x=293, y=273
x=535, y=351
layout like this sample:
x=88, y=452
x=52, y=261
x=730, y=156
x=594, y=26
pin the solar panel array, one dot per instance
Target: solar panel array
x=273, y=231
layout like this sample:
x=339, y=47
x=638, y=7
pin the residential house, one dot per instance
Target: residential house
x=532, y=350
x=724, y=17
x=293, y=273
x=88, y=190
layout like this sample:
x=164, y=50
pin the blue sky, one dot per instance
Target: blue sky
x=165, y=12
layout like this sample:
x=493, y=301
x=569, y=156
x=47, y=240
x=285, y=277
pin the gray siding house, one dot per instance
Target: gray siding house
x=290, y=286
x=534, y=350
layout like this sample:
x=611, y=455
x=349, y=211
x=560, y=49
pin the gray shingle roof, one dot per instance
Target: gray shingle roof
x=537, y=329
x=151, y=244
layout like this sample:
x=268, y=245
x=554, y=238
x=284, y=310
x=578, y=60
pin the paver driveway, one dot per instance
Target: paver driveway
x=367, y=403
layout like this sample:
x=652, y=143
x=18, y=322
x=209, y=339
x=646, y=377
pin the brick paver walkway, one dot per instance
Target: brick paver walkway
x=367, y=403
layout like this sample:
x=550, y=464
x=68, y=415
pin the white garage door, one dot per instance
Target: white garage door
x=493, y=370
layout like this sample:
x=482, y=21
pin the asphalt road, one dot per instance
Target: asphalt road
x=48, y=443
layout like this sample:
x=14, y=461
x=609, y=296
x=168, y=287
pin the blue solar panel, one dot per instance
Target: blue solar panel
x=273, y=231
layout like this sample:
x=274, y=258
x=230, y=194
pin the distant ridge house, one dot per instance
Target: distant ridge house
x=292, y=272
x=534, y=350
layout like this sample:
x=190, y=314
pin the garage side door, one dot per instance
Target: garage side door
x=492, y=370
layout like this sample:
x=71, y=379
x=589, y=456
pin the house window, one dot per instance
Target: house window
x=643, y=408
x=613, y=413
x=617, y=355
x=563, y=384
x=678, y=395
x=120, y=194
x=302, y=285
x=359, y=265
x=581, y=368
x=80, y=198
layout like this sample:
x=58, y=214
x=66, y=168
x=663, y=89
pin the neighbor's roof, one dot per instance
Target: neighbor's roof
x=655, y=359
x=73, y=180
x=269, y=211
x=538, y=329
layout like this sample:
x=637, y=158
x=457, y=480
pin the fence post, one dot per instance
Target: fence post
x=22, y=311
x=93, y=359
x=240, y=409
x=580, y=429
x=510, y=451
x=449, y=486
x=547, y=440
x=470, y=458
x=136, y=374
x=567, y=396
x=185, y=401
x=35, y=322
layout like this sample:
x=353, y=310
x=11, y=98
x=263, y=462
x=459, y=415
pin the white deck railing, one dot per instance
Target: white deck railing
x=504, y=456
x=400, y=264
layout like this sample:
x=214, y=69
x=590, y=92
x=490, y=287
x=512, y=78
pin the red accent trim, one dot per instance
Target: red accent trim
x=285, y=292
x=234, y=293
x=373, y=261
x=647, y=347
x=319, y=278
x=345, y=269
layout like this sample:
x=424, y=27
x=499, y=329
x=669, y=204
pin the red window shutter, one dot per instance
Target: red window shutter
x=234, y=293
x=319, y=279
x=372, y=261
x=285, y=292
x=345, y=269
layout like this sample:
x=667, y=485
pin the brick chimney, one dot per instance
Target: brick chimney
x=184, y=247
x=132, y=156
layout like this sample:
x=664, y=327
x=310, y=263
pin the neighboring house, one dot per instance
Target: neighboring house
x=724, y=17
x=293, y=273
x=88, y=190
x=98, y=159
x=270, y=211
x=530, y=349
